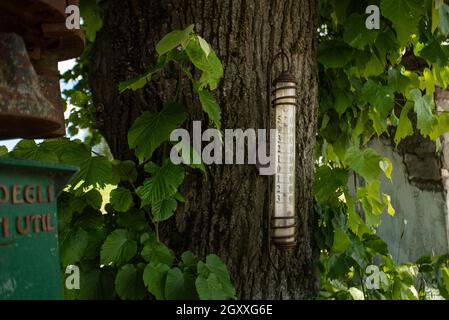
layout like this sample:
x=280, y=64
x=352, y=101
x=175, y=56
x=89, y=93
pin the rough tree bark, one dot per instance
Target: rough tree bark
x=225, y=214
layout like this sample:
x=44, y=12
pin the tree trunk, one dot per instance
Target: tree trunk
x=226, y=214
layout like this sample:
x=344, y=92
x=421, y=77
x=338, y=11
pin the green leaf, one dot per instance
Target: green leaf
x=404, y=128
x=179, y=285
x=375, y=244
x=355, y=222
x=327, y=56
x=435, y=53
x=92, y=17
x=441, y=127
x=135, y=83
x=375, y=65
x=3, y=151
x=121, y=199
x=73, y=246
x=445, y=273
x=211, y=107
x=435, y=17
x=158, y=252
x=424, y=106
x=386, y=166
x=118, y=248
x=390, y=210
x=68, y=151
x=133, y=219
x=356, y=34
x=364, y=162
x=188, y=260
x=154, y=277
x=405, y=15
x=173, y=39
x=211, y=288
x=129, y=283
x=443, y=19
x=341, y=241
x=94, y=199
x=329, y=183
x=164, y=209
x=95, y=172
x=373, y=202
x=213, y=282
x=343, y=100
x=381, y=97
x=162, y=184
x=397, y=81
x=209, y=64
x=204, y=45
x=150, y=130
x=28, y=149
x=96, y=239
x=125, y=170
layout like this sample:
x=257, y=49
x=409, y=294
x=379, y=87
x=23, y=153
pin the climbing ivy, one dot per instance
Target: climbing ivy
x=381, y=84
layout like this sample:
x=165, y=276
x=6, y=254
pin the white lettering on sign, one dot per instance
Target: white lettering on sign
x=73, y=20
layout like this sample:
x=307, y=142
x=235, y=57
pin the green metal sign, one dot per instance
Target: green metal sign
x=29, y=253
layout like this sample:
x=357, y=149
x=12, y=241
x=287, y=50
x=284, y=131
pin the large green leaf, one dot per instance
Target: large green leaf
x=92, y=17
x=435, y=53
x=343, y=100
x=328, y=182
x=118, y=248
x=154, y=277
x=73, y=245
x=173, y=39
x=209, y=64
x=212, y=288
x=121, y=199
x=381, y=97
x=443, y=19
x=162, y=184
x=28, y=149
x=441, y=127
x=404, y=128
x=94, y=172
x=356, y=34
x=405, y=15
x=93, y=198
x=125, y=170
x=68, y=151
x=327, y=56
x=150, y=130
x=213, y=281
x=364, y=162
x=3, y=150
x=164, y=209
x=211, y=107
x=129, y=283
x=397, y=81
x=424, y=107
x=133, y=219
x=158, y=252
x=180, y=285
x=341, y=241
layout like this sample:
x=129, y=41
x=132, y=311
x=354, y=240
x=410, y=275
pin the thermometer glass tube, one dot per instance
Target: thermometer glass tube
x=283, y=224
